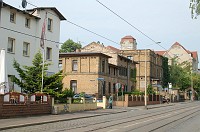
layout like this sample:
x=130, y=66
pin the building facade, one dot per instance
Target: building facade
x=182, y=55
x=147, y=61
x=20, y=36
x=91, y=72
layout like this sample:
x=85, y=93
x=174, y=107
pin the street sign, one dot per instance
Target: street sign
x=100, y=78
x=117, y=85
x=123, y=87
x=170, y=85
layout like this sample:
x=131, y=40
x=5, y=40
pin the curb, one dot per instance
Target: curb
x=58, y=120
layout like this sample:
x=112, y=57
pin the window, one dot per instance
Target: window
x=12, y=17
x=109, y=70
x=103, y=65
x=27, y=22
x=74, y=65
x=10, y=82
x=60, y=64
x=104, y=88
x=109, y=87
x=26, y=49
x=114, y=89
x=73, y=85
x=11, y=45
x=49, y=53
x=50, y=23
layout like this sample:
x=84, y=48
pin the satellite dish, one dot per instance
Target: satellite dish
x=24, y=3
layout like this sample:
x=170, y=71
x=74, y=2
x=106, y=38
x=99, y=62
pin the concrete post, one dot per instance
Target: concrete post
x=70, y=100
x=126, y=100
x=104, y=102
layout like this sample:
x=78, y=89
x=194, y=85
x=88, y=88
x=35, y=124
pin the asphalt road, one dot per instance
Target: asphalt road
x=181, y=117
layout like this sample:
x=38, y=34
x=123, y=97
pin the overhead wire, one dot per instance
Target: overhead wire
x=87, y=29
x=80, y=26
x=158, y=43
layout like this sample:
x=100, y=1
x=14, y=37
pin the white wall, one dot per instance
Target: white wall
x=34, y=30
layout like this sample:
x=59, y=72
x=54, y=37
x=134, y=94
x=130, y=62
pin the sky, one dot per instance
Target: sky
x=165, y=21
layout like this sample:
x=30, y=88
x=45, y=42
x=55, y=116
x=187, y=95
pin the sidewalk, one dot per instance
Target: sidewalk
x=42, y=119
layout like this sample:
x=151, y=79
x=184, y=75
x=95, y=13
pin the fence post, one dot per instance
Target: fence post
x=70, y=100
x=83, y=99
x=52, y=101
x=104, y=102
x=126, y=100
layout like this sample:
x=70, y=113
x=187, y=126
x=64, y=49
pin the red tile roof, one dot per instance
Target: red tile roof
x=176, y=43
x=194, y=54
x=129, y=38
x=113, y=48
x=160, y=52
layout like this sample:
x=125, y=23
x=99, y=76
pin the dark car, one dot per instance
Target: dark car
x=87, y=96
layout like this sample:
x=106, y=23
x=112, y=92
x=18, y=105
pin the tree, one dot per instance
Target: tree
x=166, y=74
x=195, y=8
x=30, y=79
x=150, y=90
x=69, y=46
x=180, y=74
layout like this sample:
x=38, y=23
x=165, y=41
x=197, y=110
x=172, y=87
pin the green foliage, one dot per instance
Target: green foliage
x=30, y=79
x=150, y=90
x=180, y=74
x=196, y=83
x=137, y=92
x=166, y=74
x=69, y=46
x=62, y=96
x=195, y=8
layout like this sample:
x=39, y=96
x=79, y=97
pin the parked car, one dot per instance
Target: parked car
x=87, y=96
x=76, y=96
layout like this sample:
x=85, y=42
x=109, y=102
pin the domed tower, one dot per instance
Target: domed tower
x=128, y=43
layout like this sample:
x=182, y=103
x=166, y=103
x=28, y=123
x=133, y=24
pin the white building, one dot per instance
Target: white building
x=20, y=33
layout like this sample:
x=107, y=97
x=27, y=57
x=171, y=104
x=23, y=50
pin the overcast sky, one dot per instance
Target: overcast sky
x=165, y=21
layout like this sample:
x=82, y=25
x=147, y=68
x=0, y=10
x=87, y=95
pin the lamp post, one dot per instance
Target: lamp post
x=145, y=71
x=192, y=89
x=145, y=80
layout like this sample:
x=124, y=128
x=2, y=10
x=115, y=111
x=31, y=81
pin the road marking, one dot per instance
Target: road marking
x=146, y=121
x=113, y=130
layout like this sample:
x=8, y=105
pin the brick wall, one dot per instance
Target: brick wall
x=24, y=109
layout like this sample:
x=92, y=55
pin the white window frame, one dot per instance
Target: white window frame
x=10, y=82
x=73, y=85
x=27, y=22
x=49, y=54
x=74, y=65
x=50, y=25
x=12, y=17
x=11, y=45
x=26, y=49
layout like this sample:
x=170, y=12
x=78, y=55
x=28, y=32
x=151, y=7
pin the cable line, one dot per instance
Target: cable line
x=29, y=35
